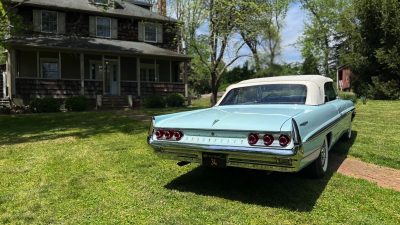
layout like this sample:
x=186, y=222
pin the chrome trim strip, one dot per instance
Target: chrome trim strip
x=329, y=125
x=232, y=149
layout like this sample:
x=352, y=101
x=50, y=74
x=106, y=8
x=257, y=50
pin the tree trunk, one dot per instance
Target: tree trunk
x=214, y=88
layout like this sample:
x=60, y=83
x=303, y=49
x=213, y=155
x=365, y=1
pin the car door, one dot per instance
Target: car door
x=332, y=99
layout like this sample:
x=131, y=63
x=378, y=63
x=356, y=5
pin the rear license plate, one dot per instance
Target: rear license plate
x=214, y=160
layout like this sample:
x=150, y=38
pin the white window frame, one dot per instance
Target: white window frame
x=49, y=60
x=110, y=27
x=144, y=32
x=41, y=22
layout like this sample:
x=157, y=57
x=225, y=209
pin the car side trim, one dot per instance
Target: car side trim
x=328, y=126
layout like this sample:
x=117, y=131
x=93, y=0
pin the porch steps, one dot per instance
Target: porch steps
x=115, y=102
x=5, y=103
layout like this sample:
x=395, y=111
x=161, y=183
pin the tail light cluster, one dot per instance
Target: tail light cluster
x=268, y=139
x=171, y=135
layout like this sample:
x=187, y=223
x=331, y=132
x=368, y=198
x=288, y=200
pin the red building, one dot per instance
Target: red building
x=344, y=78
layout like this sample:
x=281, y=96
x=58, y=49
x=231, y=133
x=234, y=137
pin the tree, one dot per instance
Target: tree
x=222, y=18
x=322, y=33
x=260, y=27
x=372, y=47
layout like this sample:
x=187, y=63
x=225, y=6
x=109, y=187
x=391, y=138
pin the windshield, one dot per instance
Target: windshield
x=267, y=94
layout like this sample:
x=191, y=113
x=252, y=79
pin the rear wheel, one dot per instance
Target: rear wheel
x=318, y=168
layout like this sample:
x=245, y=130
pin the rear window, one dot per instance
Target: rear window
x=267, y=94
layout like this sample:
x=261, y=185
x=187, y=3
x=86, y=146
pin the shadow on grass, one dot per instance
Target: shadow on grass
x=295, y=192
x=43, y=127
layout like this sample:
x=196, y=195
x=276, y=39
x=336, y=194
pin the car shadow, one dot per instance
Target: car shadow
x=295, y=192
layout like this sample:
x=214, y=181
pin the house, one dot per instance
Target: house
x=344, y=78
x=93, y=48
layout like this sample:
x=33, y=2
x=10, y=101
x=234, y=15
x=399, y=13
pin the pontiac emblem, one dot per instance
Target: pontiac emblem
x=215, y=121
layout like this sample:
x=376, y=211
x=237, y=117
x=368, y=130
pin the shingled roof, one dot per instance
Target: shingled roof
x=95, y=45
x=124, y=9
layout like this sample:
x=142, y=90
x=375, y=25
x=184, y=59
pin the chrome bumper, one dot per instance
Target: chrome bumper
x=282, y=160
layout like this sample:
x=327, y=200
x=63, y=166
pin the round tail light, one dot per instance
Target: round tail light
x=178, y=135
x=284, y=140
x=268, y=139
x=159, y=134
x=252, y=139
x=169, y=134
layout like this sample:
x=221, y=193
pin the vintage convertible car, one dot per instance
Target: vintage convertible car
x=278, y=124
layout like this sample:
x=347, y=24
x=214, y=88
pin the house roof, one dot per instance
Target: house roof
x=127, y=9
x=85, y=44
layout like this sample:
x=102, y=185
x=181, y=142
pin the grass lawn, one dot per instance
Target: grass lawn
x=377, y=131
x=96, y=167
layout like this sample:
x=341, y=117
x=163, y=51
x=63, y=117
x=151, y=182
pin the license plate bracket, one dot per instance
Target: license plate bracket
x=214, y=160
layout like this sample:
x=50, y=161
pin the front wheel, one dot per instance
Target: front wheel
x=318, y=168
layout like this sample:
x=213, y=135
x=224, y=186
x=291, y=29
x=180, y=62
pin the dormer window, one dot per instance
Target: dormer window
x=101, y=2
x=49, y=21
x=150, y=32
x=103, y=27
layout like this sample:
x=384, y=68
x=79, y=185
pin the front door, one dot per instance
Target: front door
x=111, y=77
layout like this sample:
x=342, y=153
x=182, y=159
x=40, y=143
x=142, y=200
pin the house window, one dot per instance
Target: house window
x=150, y=32
x=103, y=27
x=101, y=2
x=148, y=72
x=49, y=21
x=49, y=68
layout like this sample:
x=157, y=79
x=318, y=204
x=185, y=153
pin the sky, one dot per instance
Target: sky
x=293, y=29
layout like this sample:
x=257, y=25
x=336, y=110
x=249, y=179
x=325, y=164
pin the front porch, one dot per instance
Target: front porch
x=42, y=71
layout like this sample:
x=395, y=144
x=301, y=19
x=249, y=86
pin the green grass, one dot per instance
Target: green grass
x=377, y=130
x=79, y=168
x=200, y=103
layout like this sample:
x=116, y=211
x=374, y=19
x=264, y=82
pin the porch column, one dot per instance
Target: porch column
x=170, y=71
x=82, y=71
x=185, y=78
x=38, y=64
x=138, y=75
x=11, y=72
x=59, y=65
x=119, y=76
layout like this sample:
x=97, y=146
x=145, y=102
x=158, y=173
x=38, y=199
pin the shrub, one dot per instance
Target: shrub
x=348, y=96
x=45, y=105
x=154, y=102
x=175, y=100
x=384, y=90
x=76, y=104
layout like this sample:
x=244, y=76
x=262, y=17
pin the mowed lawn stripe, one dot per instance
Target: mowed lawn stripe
x=97, y=168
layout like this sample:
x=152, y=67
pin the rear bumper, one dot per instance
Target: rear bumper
x=282, y=160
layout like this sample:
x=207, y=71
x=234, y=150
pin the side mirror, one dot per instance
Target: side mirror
x=326, y=99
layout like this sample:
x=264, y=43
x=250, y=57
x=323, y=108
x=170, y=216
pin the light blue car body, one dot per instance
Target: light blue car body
x=225, y=129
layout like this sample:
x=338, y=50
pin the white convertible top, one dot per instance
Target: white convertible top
x=317, y=79
x=315, y=85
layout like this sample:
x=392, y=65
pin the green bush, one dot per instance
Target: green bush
x=348, y=96
x=45, y=105
x=154, y=102
x=384, y=90
x=76, y=104
x=175, y=100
